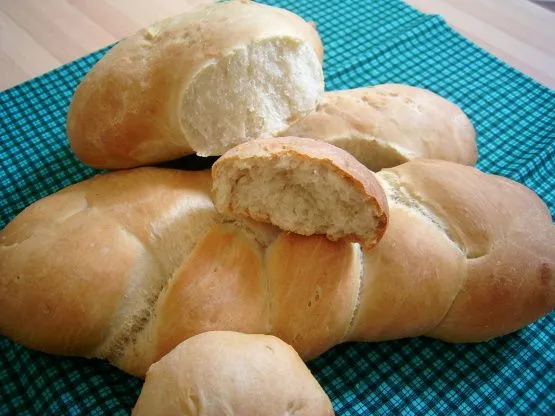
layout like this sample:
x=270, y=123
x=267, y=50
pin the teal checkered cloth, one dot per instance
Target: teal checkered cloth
x=367, y=42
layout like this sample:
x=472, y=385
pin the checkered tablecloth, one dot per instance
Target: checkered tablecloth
x=367, y=42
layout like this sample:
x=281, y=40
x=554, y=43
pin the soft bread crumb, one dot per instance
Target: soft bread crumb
x=297, y=195
x=259, y=89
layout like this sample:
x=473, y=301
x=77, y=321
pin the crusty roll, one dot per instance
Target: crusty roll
x=129, y=264
x=386, y=125
x=200, y=82
x=229, y=373
x=303, y=186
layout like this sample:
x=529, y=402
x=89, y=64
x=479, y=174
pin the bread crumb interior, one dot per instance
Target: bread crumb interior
x=257, y=90
x=301, y=197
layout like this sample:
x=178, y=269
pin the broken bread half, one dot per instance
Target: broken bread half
x=230, y=373
x=303, y=186
x=200, y=82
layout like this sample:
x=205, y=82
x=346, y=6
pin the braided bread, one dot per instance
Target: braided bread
x=129, y=264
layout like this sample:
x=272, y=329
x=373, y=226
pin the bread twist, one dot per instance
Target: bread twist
x=128, y=264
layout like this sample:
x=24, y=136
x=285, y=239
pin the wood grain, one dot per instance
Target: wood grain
x=518, y=32
x=39, y=35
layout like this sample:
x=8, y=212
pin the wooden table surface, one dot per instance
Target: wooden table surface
x=39, y=35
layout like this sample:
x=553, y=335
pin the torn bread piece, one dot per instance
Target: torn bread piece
x=303, y=186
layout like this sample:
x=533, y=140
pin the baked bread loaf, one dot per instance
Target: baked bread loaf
x=303, y=186
x=386, y=125
x=229, y=373
x=129, y=264
x=200, y=82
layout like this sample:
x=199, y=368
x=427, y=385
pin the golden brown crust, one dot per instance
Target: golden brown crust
x=92, y=243
x=314, y=285
x=410, y=280
x=478, y=209
x=386, y=125
x=51, y=305
x=126, y=111
x=220, y=286
x=505, y=290
x=507, y=236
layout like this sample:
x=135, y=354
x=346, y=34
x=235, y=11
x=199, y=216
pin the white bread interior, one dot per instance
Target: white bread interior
x=257, y=90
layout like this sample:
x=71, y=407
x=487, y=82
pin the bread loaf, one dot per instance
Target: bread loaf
x=200, y=82
x=303, y=186
x=386, y=125
x=129, y=264
x=229, y=373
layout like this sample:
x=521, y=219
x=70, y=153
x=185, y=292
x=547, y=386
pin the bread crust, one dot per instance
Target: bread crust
x=507, y=236
x=410, y=280
x=93, y=245
x=314, y=286
x=221, y=285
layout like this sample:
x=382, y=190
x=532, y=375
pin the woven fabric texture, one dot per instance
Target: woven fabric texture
x=367, y=42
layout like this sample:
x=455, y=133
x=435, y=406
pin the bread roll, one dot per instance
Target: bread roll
x=386, y=125
x=303, y=186
x=229, y=373
x=129, y=264
x=200, y=82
